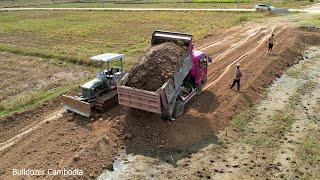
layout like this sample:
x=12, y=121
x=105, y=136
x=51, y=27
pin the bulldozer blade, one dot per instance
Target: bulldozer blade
x=75, y=105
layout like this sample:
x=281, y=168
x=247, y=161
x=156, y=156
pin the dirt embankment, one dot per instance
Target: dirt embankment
x=214, y=109
x=92, y=147
x=156, y=66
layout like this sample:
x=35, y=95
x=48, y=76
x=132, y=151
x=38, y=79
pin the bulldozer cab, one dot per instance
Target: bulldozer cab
x=159, y=37
x=109, y=58
x=105, y=81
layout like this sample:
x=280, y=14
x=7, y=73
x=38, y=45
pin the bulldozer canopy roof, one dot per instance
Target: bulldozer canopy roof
x=107, y=57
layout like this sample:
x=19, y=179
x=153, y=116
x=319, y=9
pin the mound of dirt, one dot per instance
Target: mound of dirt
x=156, y=66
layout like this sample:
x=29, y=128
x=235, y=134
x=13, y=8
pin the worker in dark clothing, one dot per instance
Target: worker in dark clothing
x=238, y=77
x=270, y=43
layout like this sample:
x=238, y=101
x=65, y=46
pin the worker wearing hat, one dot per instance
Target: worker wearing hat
x=237, y=78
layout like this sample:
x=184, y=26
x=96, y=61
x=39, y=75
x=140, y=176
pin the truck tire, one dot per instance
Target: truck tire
x=199, y=88
x=178, y=109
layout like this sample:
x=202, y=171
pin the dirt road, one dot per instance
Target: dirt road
x=39, y=141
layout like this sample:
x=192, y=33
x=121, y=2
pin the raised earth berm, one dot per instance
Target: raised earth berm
x=156, y=66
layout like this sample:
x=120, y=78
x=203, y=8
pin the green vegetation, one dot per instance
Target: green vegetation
x=25, y=52
x=283, y=122
x=27, y=81
x=280, y=123
x=309, y=155
x=183, y=4
x=293, y=73
x=75, y=36
x=315, y=20
x=259, y=140
x=33, y=99
x=311, y=21
x=221, y=1
x=239, y=123
x=155, y=3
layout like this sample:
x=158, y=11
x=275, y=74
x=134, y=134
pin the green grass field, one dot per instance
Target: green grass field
x=192, y=4
x=26, y=81
x=75, y=36
x=155, y=3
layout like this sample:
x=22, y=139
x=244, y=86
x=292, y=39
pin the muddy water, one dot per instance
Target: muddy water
x=226, y=161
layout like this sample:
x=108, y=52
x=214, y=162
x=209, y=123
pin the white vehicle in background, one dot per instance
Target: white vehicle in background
x=264, y=7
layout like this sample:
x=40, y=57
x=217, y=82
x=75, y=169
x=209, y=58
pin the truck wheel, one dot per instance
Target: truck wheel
x=199, y=88
x=178, y=109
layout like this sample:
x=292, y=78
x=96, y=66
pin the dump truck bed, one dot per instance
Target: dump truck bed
x=159, y=100
x=139, y=98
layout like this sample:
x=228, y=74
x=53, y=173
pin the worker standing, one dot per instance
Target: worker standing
x=270, y=42
x=238, y=77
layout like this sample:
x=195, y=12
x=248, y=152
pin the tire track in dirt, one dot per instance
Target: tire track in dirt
x=249, y=34
x=29, y=129
x=218, y=68
x=221, y=37
x=239, y=59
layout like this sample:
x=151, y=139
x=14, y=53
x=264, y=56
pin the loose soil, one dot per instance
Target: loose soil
x=92, y=146
x=156, y=66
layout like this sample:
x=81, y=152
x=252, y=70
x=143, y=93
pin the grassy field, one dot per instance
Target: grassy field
x=75, y=36
x=193, y=4
x=313, y=20
x=27, y=81
x=156, y=3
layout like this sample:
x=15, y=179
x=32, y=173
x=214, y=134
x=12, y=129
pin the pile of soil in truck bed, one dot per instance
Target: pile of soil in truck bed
x=156, y=66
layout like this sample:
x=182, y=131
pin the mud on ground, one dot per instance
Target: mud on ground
x=67, y=142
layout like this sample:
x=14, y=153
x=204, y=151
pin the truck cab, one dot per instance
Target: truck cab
x=199, y=69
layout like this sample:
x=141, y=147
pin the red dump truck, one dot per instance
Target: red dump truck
x=170, y=99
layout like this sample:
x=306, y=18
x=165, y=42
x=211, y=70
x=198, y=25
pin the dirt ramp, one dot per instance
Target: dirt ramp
x=143, y=130
x=156, y=66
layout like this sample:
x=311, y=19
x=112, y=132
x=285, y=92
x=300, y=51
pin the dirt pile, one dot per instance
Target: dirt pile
x=156, y=66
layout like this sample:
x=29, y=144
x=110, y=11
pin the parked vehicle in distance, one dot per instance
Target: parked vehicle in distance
x=264, y=7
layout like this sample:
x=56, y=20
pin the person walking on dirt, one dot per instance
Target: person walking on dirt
x=238, y=77
x=270, y=42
